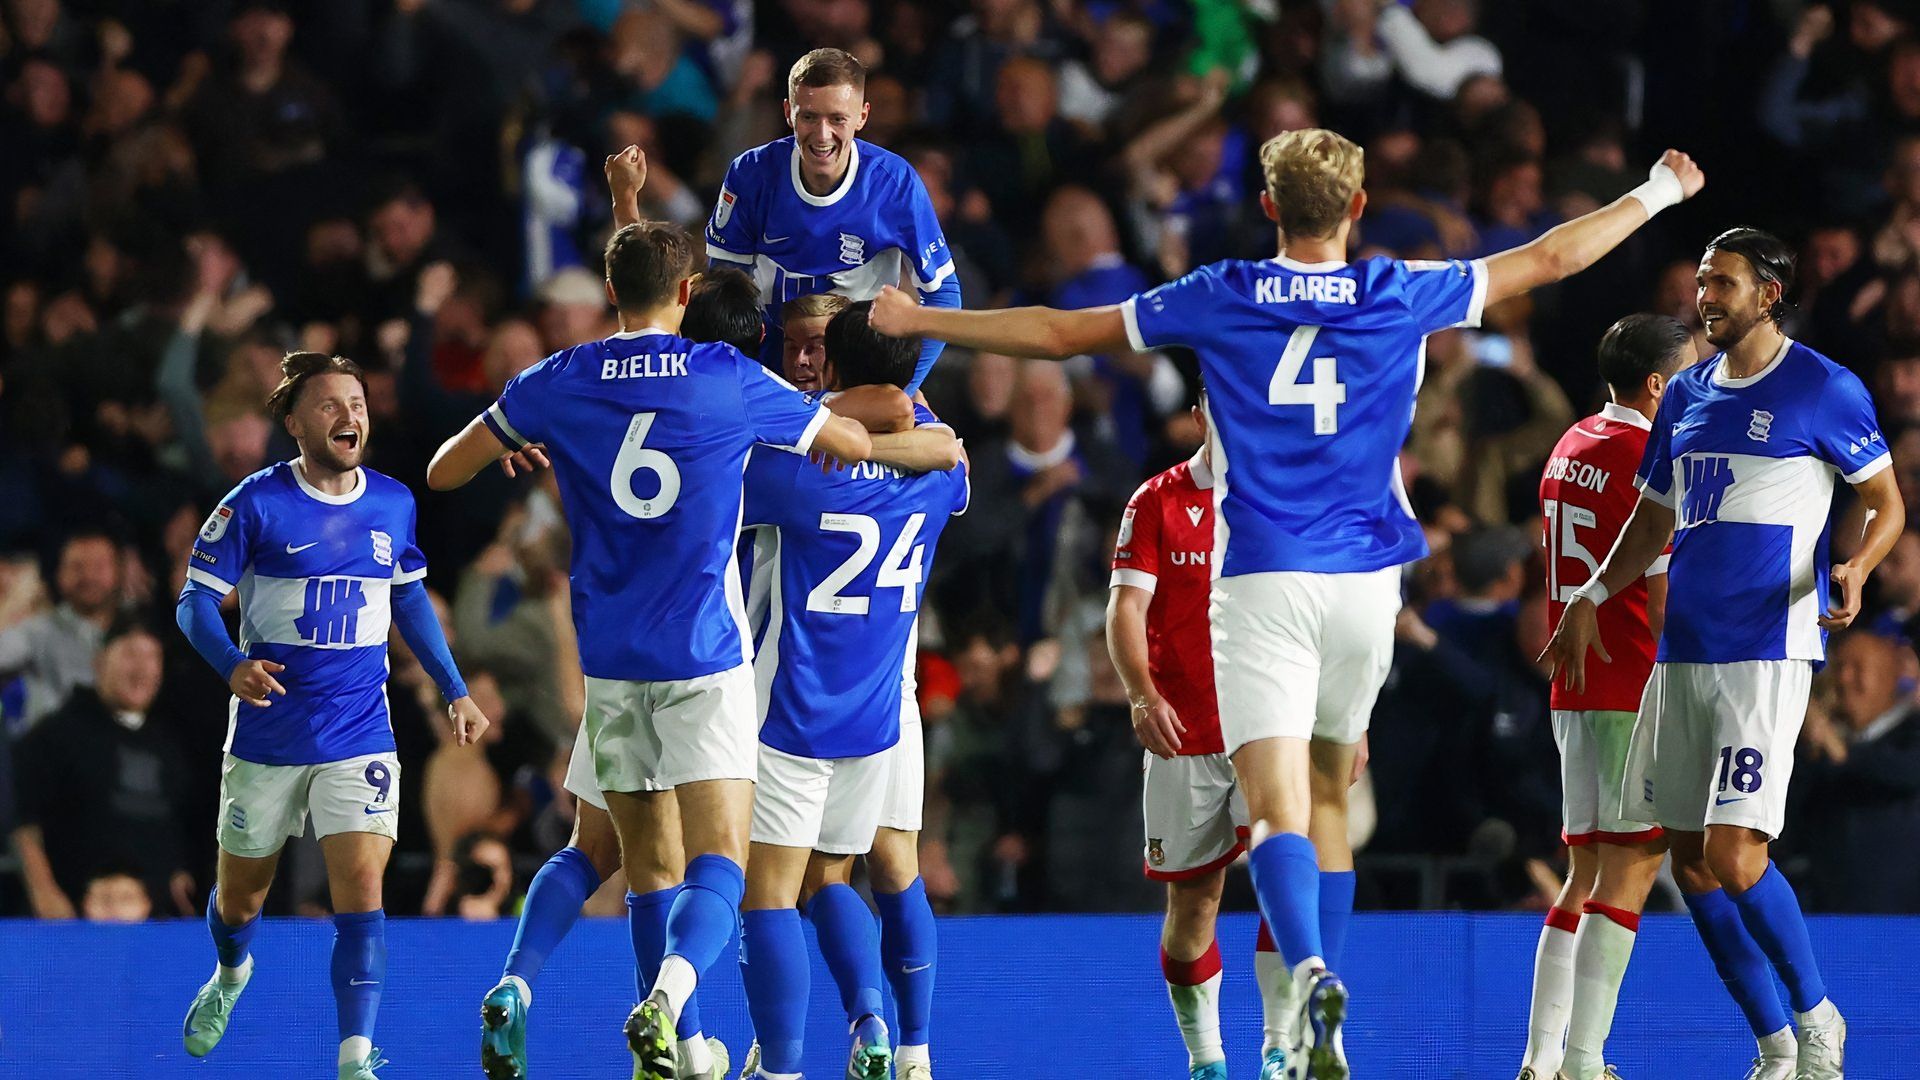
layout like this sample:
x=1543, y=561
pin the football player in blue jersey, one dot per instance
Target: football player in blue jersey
x=1311, y=365
x=322, y=552
x=824, y=211
x=836, y=632
x=648, y=435
x=722, y=305
x=1739, y=473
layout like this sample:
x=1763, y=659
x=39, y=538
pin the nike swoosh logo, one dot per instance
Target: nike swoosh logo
x=914, y=970
x=363, y=982
x=291, y=550
x=765, y=239
x=1723, y=802
x=382, y=810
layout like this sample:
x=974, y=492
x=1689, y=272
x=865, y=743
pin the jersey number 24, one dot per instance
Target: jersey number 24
x=900, y=570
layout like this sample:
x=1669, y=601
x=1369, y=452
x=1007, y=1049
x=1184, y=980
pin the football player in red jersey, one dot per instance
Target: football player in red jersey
x=1196, y=818
x=1586, y=494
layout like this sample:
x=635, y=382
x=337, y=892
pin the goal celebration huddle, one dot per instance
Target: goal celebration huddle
x=757, y=493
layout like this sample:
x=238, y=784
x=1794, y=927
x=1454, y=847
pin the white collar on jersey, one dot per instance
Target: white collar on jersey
x=359, y=485
x=1882, y=724
x=831, y=197
x=1199, y=470
x=1619, y=413
x=1299, y=267
x=1720, y=377
x=645, y=331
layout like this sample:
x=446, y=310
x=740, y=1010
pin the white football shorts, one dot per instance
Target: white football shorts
x=262, y=805
x=1714, y=744
x=655, y=736
x=825, y=804
x=1195, y=815
x=1593, y=768
x=1301, y=655
x=906, y=772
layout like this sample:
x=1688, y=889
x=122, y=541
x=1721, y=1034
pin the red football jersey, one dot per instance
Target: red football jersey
x=1166, y=548
x=1586, y=496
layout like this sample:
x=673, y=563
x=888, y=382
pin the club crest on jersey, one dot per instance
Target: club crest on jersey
x=853, y=250
x=216, y=526
x=723, y=210
x=1155, y=856
x=1760, y=426
x=382, y=548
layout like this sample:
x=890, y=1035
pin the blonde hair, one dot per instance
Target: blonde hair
x=814, y=306
x=1312, y=175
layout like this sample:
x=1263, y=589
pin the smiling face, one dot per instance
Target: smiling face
x=804, y=358
x=1732, y=298
x=825, y=120
x=329, y=421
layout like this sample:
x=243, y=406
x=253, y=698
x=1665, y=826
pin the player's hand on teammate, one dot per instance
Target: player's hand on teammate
x=253, y=680
x=529, y=460
x=895, y=313
x=1579, y=631
x=469, y=723
x=1157, y=726
x=1690, y=175
x=1843, y=602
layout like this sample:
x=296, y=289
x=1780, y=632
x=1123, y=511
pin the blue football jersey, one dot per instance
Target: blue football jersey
x=1311, y=372
x=315, y=573
x=850, y=552
x=1747, y=466
x=878, y=224
x=648, y=434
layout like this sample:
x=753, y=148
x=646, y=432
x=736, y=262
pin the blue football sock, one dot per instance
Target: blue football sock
x=773, y=965
x=232, y=943
x=647, y=925
x=909, y=944
x=1738, y=959
x=1336, y=910
x=704, y=915
x=359, y=969
x=552, y=907
x=1771, y=913
x=850, y=943
x=1287, y=881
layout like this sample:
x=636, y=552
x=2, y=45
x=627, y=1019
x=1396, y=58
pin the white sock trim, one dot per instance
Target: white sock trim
x=520, y=984
x=676, y=981
x=354, y=1049
x=912, y=1053
x=695, y=1056
x=234, y=975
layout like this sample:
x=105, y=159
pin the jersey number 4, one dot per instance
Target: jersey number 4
x=633, y=457
x=1325, y=393
x=901, y=569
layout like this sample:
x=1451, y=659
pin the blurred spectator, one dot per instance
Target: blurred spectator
x=503, y=615
x=1858, y=787
x=483, y=877
x=116, y=897
x=53, y=652
x=1031, y=149
x=262, y=112
x=1430, y=45
x=1092, y=90
x=100, y=786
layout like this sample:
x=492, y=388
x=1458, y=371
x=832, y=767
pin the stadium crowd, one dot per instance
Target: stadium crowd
x=190, y=189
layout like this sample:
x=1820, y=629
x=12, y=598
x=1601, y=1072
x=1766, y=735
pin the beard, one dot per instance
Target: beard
x=335, y=455
x=1729, y=329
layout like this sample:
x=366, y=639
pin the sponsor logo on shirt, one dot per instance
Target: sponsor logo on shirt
x=1864, y=443
x=1708, y=476
x=1188, y=558
x=1193, y=514
x=210, y=560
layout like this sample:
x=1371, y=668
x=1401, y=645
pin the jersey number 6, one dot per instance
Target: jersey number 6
x=633, y=457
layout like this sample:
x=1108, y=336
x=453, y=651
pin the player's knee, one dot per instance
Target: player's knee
x=894, y=863
x=1192, y=907
x=593, y=837
x=358, y=888
x=237, y=906
x=1736, y=858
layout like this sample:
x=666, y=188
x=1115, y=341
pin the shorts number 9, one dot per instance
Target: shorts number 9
x=381, y=779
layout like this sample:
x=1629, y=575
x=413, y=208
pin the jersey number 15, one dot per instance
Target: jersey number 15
x=1563, y=542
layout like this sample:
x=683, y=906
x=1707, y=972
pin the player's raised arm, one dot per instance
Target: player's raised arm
x=626, y=175
x=1039, y=332
x=1569, y=248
